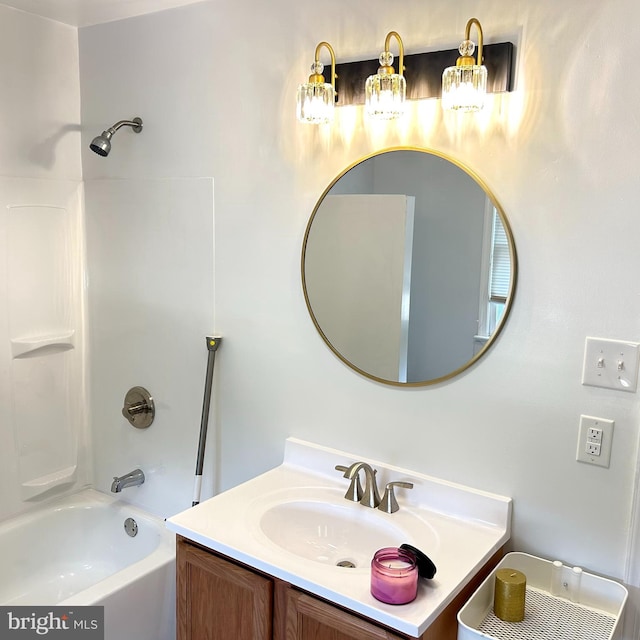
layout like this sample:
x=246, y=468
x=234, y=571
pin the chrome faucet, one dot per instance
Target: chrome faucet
x=131, y=479
x=370, y=497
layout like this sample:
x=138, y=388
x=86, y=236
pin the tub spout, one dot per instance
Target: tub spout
x=131, y=479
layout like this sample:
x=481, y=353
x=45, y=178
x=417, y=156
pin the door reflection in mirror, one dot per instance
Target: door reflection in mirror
x=408, y=298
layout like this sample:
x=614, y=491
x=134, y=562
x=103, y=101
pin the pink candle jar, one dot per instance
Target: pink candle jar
x=394, y=576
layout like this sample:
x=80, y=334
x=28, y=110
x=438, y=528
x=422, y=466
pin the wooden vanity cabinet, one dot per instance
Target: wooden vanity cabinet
x=218, y=599
x=305, y=617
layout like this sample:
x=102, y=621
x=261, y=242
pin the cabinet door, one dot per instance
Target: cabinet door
x=307, y=618
x=218, y=600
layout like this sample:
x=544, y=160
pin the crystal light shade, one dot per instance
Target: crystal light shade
x=385, y=92
x=315, y=103
x=385, y=96
x=464, y=88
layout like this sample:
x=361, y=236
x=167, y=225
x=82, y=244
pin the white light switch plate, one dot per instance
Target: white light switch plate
x=589, y=449
x=612, y=364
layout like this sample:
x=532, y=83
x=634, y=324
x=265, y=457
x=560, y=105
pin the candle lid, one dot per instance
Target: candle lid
x=426, y=568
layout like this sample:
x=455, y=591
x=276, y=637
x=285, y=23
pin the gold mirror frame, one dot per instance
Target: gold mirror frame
x=512, y=286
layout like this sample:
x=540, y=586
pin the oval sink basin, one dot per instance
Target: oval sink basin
x=339, y=535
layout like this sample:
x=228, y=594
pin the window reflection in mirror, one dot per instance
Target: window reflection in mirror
x=408, y=267
x=495, y=275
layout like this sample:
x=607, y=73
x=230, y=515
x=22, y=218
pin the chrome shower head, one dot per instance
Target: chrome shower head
x=102, y=144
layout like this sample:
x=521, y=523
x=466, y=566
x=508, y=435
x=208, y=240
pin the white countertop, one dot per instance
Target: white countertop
x=457, y=527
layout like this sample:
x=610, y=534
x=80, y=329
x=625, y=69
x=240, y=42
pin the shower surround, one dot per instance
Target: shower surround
x=42, y=359
x=80, y=327
x=84, y=324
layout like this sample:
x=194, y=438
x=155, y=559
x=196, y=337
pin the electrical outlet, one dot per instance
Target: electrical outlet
x=594, y=441
x=594, y=435
x=592, y=448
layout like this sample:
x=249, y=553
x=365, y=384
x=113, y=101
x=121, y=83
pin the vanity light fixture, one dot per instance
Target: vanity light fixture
x=385, y=91
x=316, y=98
x=464, y=86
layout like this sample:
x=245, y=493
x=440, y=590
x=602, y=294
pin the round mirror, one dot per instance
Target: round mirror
x=408, y=267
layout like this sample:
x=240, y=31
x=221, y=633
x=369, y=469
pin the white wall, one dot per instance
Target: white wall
x=216, y=86
x=42, y=398
x=150, y=265
x=40, y=123
x=150, y=247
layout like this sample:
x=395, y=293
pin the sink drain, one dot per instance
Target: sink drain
x=346, y=563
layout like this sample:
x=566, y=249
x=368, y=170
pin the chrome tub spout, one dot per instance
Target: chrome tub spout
x=131, y=479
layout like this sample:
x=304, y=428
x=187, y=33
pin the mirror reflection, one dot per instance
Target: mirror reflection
x=408, y=267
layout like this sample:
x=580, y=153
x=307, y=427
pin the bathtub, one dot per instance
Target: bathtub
x=75, y=551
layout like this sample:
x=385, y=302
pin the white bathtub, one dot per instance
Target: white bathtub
x=75, y=551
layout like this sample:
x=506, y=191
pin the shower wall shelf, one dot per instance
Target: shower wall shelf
x=38, y=486
x=42, y=345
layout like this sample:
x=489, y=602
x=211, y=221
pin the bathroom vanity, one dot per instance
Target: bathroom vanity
x=286, y=556
x=216, y=594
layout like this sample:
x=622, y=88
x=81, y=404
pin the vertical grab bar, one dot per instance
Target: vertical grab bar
x=212, y=346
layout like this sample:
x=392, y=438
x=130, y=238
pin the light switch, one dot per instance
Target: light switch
x=612, y=364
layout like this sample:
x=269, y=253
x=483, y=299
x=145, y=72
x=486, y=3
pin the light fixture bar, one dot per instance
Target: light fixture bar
x=424, y=73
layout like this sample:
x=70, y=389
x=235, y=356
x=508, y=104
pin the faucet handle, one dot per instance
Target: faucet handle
x=389, y=504
x=354, y=492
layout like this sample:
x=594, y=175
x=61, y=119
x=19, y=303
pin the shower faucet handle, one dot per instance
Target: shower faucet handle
x=354, y=492
x=135, y=408
x=139, y=408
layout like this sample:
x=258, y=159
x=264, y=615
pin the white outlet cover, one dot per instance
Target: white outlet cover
x=606, y=427
x=612, y=364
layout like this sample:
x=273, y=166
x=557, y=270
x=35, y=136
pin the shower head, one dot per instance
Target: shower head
x=102, y=144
